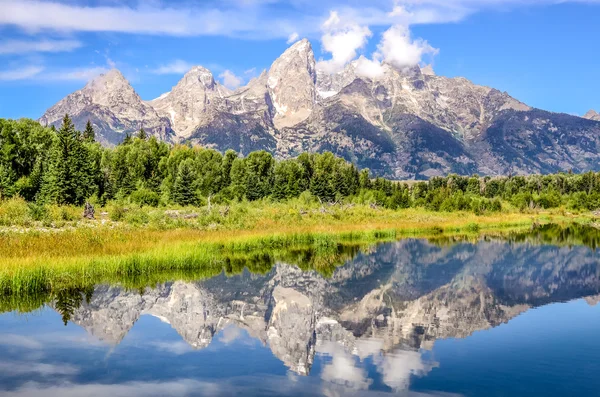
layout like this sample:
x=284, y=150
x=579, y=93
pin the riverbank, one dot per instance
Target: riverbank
x=38, y=257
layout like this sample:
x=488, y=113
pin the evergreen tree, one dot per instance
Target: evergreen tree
x=89, y=135
x=142, y=134
x=69, y=179
x=228, y=160
x=60, y=184
x=127, y=140
x=184, y=188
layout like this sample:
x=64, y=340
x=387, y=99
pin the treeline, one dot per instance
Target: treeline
x=66, y=166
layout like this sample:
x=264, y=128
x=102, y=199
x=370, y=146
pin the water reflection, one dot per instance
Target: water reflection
x=372, y=327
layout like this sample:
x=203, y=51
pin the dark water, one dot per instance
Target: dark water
x=416, y=318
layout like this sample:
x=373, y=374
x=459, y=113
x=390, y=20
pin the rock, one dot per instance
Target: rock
x=111, y=104
x=88, y=211
x=402, y=123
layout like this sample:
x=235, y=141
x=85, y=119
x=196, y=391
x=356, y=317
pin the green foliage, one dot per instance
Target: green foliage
x=89, y=135
x=184, y=188
x=47, y=166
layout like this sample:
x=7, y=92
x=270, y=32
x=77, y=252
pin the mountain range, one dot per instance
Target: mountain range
x=401, y=123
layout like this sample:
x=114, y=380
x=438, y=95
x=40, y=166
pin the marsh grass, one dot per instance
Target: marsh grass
x=156, y=245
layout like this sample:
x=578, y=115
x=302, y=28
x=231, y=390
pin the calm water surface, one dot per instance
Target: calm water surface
x=413, y=318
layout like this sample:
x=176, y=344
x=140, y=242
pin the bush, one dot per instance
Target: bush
x=548, y=200
x=137, y=216
x=38, y=212
x=15, y=211
x=146, y=197
x=482, y=205
x=117, y=213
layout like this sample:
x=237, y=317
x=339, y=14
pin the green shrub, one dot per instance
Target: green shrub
x=146, y=197
x=117, y=213
x=15, y=212
x=38, y=212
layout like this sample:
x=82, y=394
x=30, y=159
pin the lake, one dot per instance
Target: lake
x=448, y=317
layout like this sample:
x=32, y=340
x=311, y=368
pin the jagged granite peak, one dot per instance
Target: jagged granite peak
x=113, y=107
x=401, y=123
x=190, y=102
x=592, y=115
x=292, y=84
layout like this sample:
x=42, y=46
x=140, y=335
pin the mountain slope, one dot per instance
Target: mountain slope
x=113, y=107
x=592, y=115
x=401, y=123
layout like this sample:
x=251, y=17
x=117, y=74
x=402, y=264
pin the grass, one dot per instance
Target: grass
x=151, y=245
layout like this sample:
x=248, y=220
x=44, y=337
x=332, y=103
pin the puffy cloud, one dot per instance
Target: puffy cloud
x=343, y=369
x=397, y=368
x=369, y=68
x=398, y=49
x=342, y=40
x=230, y=80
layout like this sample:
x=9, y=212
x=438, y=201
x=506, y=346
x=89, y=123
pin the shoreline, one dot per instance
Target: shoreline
x=37, y=262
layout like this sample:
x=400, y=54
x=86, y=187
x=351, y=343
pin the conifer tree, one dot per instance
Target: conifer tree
x=184, y=188
x=59, y=182
x=127, y=140
x=142, y=134
x=89, y=135
x=68, y=179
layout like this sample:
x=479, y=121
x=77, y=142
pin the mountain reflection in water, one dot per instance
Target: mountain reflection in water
x=388, y=321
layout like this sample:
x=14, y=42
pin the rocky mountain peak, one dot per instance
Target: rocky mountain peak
x=592, y=115
x=199, y=75
x=292, y=84
x=111, y=89
x=111, y=104
x=187, y=105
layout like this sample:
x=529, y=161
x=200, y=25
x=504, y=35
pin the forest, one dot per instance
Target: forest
x=64, y=166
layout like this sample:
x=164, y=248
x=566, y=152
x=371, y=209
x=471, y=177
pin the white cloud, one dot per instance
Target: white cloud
x=343, y=37
x=15, y=340
x=29, y=368
x=230, y=80
x=21, y=73
x=177, y=348
x=24, y=46
x=369, y=68
x=39, y=73
x=77, y=74
x=342, y=40
x=148, y=18
x=343, y=369
x=253, y=18
x=398, y=49
x=292, y=38
x=176, y=67
x=397, y=368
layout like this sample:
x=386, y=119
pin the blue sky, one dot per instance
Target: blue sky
x=543, y=52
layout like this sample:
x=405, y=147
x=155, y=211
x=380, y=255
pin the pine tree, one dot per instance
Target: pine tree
x=68, y=179
x=127, y=140
x=59, y=182
x=184, y=188
x=89, y=135
x=142, y=134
